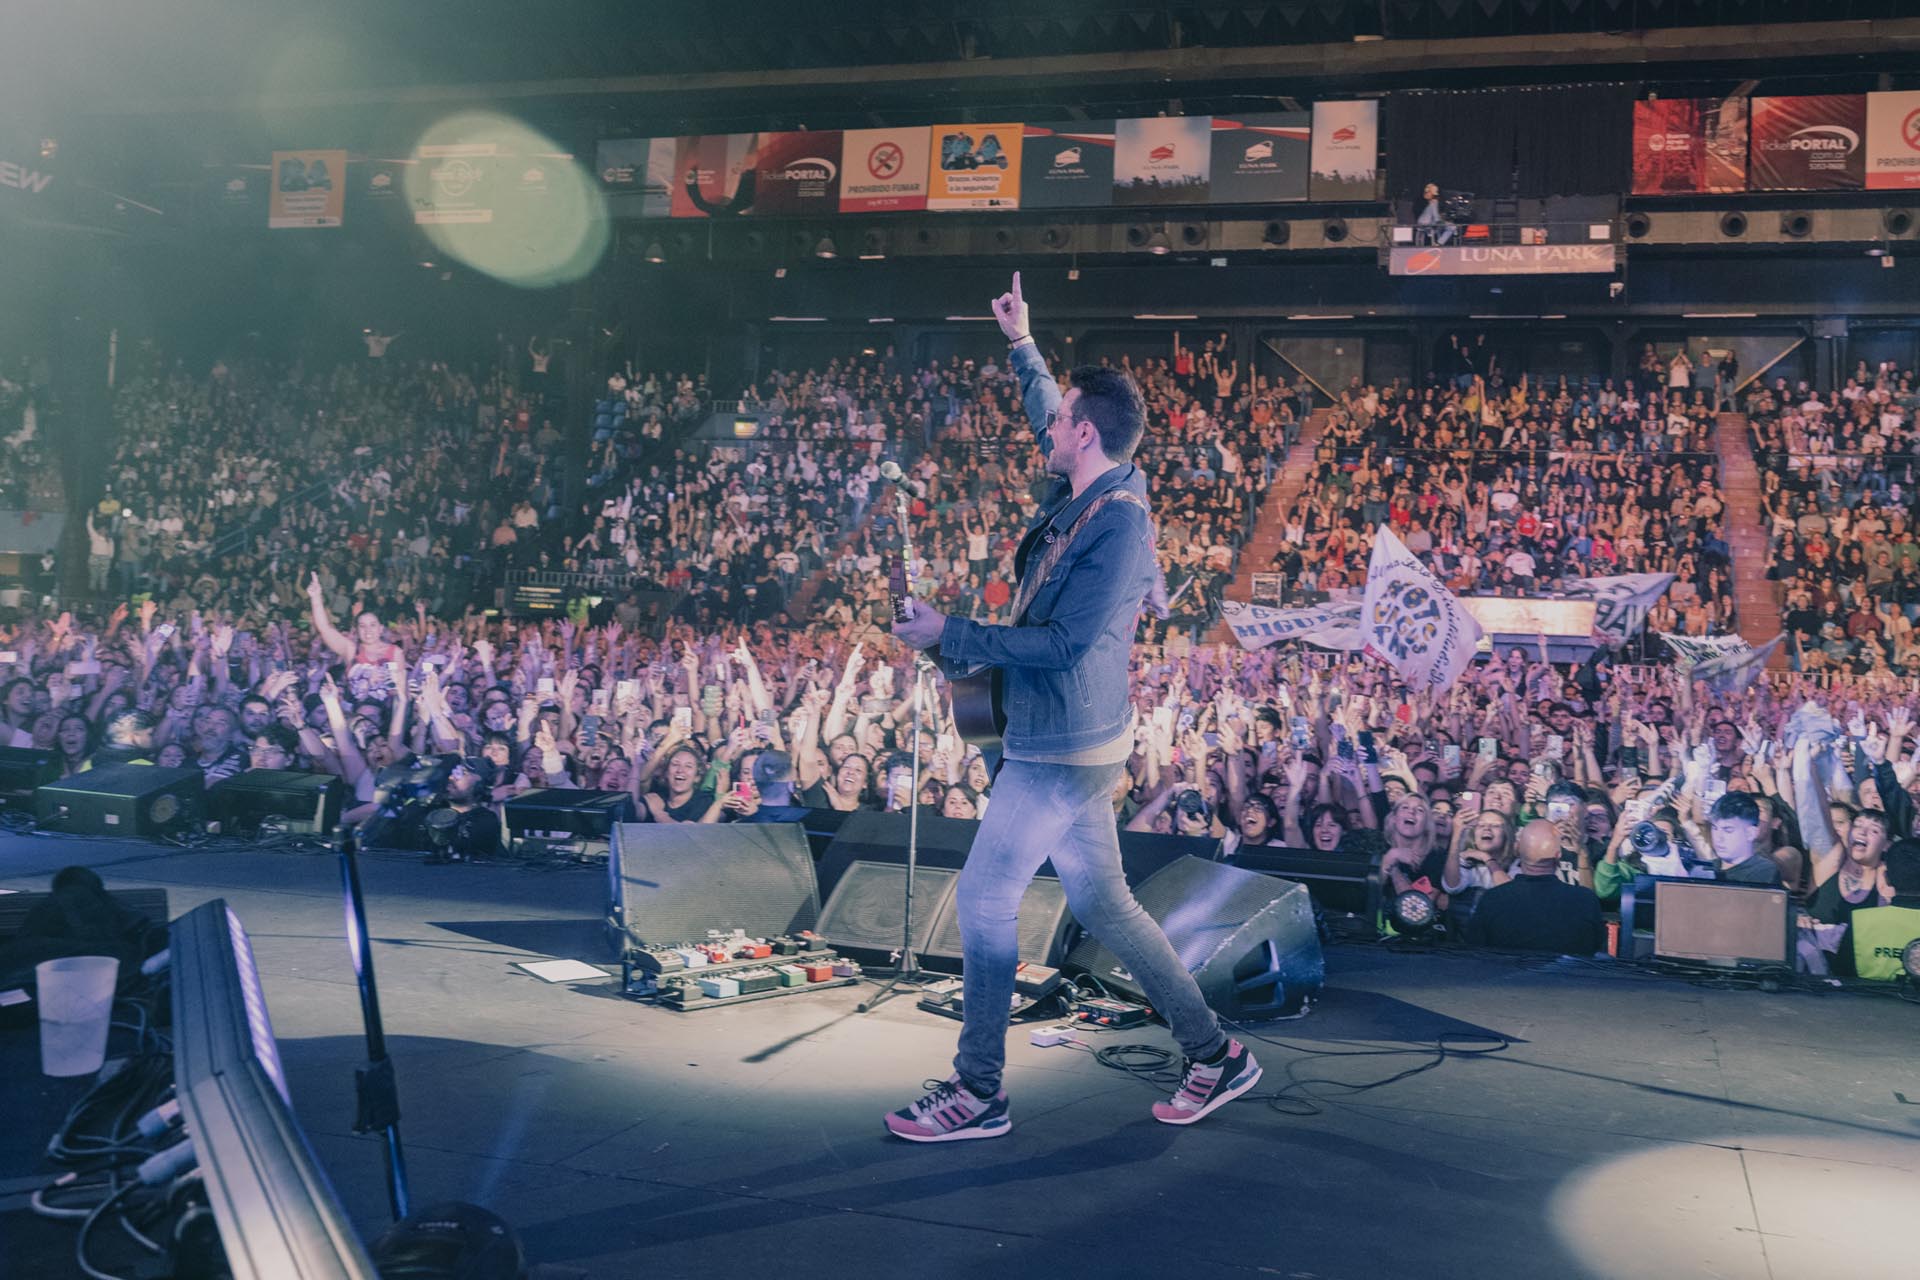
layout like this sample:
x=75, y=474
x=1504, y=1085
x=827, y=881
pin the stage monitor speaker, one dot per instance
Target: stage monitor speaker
x=569, y=811
x=1731, y=925
x=22, y=769
x=1044, y=925
x=865, y=912
x=1247, y=939
x=671, y=882
x=867, y=836
x=121, y=800
x=1339, y=882
x=309, y=802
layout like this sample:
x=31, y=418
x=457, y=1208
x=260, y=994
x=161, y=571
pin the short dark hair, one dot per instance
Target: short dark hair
x=1111, y=401
x=1737, y=806
x=1902, y=865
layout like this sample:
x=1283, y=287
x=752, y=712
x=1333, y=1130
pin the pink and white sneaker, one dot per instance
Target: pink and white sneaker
x=1204, y=1087
x=950, y=1112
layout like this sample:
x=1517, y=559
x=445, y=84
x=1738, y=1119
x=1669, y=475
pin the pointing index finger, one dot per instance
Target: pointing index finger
x=1016, y=288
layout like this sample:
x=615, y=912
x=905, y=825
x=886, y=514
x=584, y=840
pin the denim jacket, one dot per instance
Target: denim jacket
x=1066, y=660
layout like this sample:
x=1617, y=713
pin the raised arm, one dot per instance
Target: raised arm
x=1039, y=393
x=323, y=624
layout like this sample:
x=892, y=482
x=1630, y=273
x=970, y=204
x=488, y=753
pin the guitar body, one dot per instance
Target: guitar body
x=978, y=715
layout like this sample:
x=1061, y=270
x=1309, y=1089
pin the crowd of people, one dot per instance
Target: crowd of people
x=1838, y=495
x=350, y=633
x=1502, y=488
x=29, y=471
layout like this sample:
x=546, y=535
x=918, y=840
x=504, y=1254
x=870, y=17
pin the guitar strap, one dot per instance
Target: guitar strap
x=1055, y=549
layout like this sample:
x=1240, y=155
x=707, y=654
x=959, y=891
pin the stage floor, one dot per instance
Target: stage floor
x=1637, y=1126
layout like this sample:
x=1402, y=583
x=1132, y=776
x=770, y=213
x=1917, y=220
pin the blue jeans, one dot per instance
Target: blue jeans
x=1064, y=812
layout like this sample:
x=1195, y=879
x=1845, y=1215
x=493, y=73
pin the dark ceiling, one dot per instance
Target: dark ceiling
x=118, y=52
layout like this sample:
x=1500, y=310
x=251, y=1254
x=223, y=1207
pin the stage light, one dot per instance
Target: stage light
x=1158, y=244
x=825, y=248
x=1414, y=912
x=655, y=254
x=504, y=199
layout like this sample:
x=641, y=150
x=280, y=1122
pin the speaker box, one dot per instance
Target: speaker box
x=121, y=800
x=309, y=802
x=1044, y=927
x=671, y=882
x=568, y=810
x=865, y=914
x=1338, y=882
x=1247, y=939
x=867, y=836
x=22, y=769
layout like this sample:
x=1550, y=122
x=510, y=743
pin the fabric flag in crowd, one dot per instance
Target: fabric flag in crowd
x=1727, y=664
x=1411, y=621
x=1620, y=603
x=1331, y=626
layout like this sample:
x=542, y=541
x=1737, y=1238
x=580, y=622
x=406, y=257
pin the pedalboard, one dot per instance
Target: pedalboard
x=733, y=969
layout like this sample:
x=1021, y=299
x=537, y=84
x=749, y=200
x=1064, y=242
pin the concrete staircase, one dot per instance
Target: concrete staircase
x=1757, y=598
x=1256, y=555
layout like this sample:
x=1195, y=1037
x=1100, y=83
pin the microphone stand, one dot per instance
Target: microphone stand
x=907, y=970
x=376, y=1092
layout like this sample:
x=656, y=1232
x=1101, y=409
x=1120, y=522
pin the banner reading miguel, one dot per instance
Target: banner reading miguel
x=1893, y=141
x=1810, y=143
x=1686, y=146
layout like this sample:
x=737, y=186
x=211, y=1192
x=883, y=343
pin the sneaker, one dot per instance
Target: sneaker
x=951, y=1113
x=1205, y=1087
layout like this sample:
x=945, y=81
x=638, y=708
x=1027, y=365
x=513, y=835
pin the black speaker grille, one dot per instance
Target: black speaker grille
x=675, y=881
x=868, y=904
x=1043, y=913
x=1220, y=920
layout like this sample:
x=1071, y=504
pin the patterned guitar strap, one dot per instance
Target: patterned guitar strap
x=1054, y=551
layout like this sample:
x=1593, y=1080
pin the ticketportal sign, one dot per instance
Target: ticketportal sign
x=1502, y=260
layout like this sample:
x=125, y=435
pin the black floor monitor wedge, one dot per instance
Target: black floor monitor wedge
x=278, y=1216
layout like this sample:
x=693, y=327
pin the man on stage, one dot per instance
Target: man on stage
x=1085, y=566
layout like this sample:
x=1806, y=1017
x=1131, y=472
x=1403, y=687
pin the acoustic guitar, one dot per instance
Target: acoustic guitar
x=978, y=715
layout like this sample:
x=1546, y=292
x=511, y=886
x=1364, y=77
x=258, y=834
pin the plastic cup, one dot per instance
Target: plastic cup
x=76, y=1006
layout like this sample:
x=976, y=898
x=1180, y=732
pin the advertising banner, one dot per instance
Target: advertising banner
x=453, y=182
x=234, y=194
x=1067, y=165
x=1501, y=260
x=637, y=173
x=713, y=175
x=1346, y=151
x=1257, y=159
x=1893, y=141
x=883, y=170
x=1162, y=160
x=1810, y=143
x=796, y=173
x=974, y=166
x=309, y=189
x=1688, y=146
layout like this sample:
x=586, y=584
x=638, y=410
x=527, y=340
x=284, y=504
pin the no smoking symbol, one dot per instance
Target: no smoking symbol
x=1910, y=130
x=885, y=159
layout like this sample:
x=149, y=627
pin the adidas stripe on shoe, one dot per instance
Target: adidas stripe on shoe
x=1204, y=1088
x=950, y=1112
